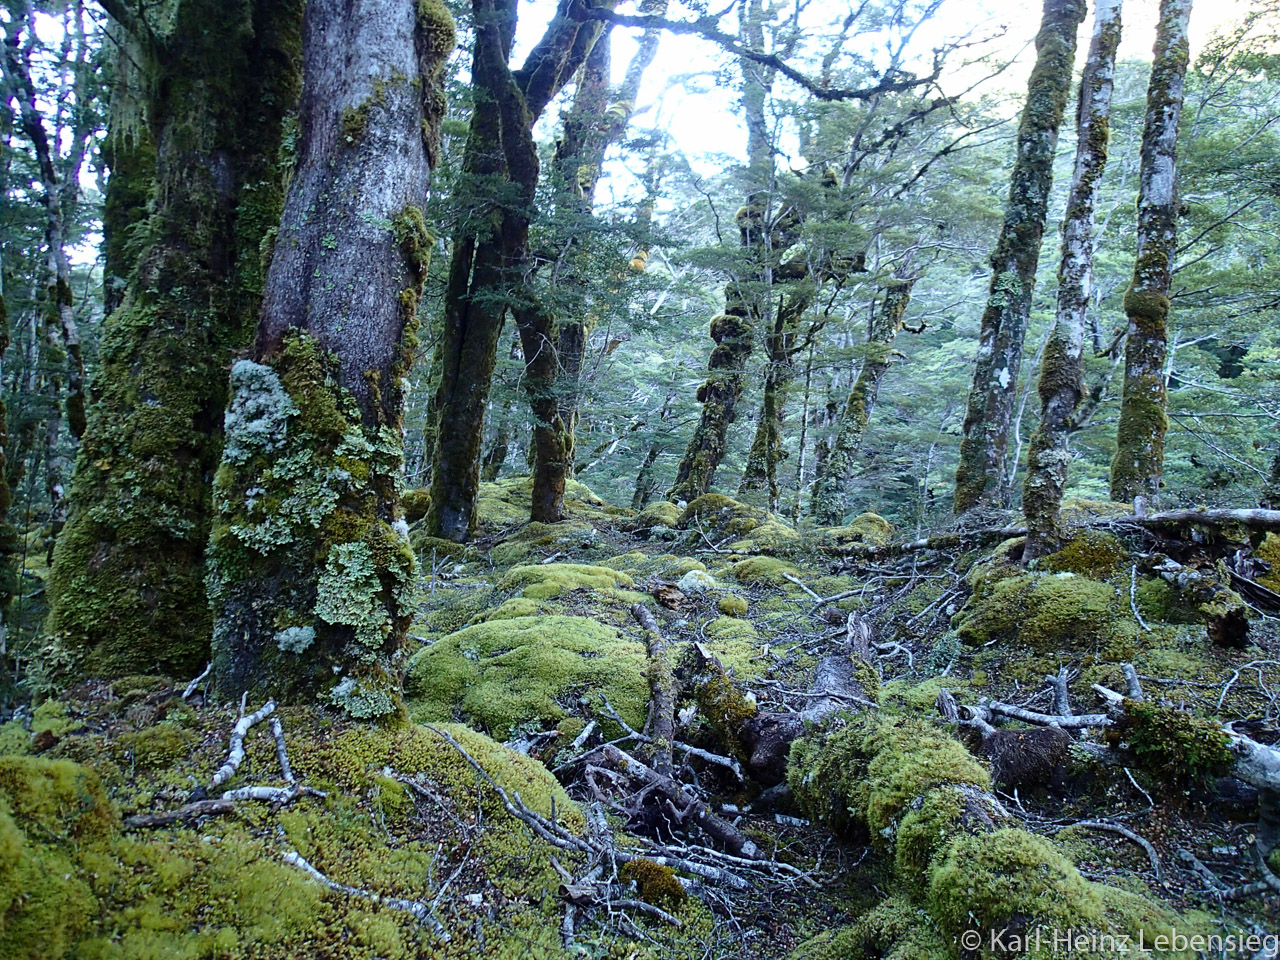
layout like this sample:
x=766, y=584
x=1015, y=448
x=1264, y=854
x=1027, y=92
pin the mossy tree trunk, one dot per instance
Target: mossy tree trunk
x=759, y=484
x=1138, y=465
x=491, y=253
x=746, y=296
x=309, y=560
x=989, y=414
x=1062, y=368
x=127, y=587
x=830, y=490
x=598, y=119
x=9, y=543
x=1271, y=492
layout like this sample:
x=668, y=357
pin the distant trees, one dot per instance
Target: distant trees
x=980, y=473
x=1138, y=465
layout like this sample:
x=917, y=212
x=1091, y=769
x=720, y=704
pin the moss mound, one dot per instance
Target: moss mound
x=895, y=929
x=770, y=536
x=719, y=516
x=544, y=581
x=660, y=514
x=764, y=570
x=1091, y=554
x=866, y=529
x=506, y=502
x=1047, y=612
x=415, y=504
x=508, y=672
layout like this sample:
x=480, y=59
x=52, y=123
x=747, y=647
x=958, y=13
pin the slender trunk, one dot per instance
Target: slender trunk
x=1062, y=369
x=830, y=492
x=1138, y=465
x=127, y=587
x=746, y=298
x=804, y=433
x=310, y=565
x=979, y=475
x=1271, y=492
x=488, y=271
x=9, y=542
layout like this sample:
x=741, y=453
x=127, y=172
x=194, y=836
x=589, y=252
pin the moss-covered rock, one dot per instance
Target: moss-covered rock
x=663, y=513
x=504, y=673
x=415, y=504
x=1090, y=554
x=770, y=536
x=896, y=929
x=764, y=570
x=732, y=605
x=718, y=516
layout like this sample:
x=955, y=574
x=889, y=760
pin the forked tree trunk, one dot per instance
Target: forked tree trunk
x=310, y=565
x=1062, y=369
x=491, y=257
x=830, y=491
x=127, y=588
x=1138, y=465
x=980, y=475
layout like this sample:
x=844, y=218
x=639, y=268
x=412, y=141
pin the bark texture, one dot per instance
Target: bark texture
x=1062, y=368
x=127, y=587
x=1138, y=465
x=309, y=561
x=491, y=255
x=830, y=491
x=989, y=414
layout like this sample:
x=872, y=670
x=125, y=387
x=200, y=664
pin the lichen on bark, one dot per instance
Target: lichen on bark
x=216, y=82
x=979, y=474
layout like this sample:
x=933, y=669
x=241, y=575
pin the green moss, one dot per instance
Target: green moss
x=1047, y=612
x=719, y=516
x=654, y=883
x=770, y=536
x=1269, y=551
x=544, y=581
x=156, y=747
x=764, y=570
x=57, y=798
x=533, y=668
x=895, y=929
x=871, y=768
x=663, y=513
x=1178, y=745
x=1090, y=554
x=15, y=740
x=51, y=717
x=512, y=608
x=732, y=605
x=415, y=504
x=868, y=529
x=1009, y=876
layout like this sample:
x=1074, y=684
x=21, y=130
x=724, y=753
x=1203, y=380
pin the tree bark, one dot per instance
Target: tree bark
x=127, y=587
x=831, y=488
x=979, y=476
x=1138, y=465
x=491, y=254
x=309, y=561
x=1062, y=369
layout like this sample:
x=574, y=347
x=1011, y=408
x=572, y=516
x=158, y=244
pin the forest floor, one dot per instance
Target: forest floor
x=518, y=814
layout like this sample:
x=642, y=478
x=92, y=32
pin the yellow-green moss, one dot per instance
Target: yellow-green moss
x=766, y=570
x=534, y=668
x=510, y=609
x=155, y=747
x=1090, y=554
x=663, y=513
x=868, y=529
x=770, y=536
x=1269, y=550
x=15, y=740
x=544, y=581
x=415, y=504
x=732, y=605
x=654, y=883
x=895, y=929
x=719, y=516
x=1047, y=612
x=1180, y=746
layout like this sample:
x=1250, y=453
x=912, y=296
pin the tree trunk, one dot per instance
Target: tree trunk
x=746, y=298
x=979, y=476
x=127, y=587
x=9, y=542
x=491, y=262
x=1138, y=465
x=309, y=562
x=1062, y=369
x=830, y=491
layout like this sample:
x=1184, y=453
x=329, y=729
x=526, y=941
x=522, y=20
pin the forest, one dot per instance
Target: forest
x=639, y=479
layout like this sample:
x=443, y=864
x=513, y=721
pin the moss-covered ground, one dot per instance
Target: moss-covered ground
x=525, y=636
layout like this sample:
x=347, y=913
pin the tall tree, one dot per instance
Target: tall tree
x=309, y=559
x=127, y=587
x=1138, y=465
x=1062, y=368
x=829, y=492
x=491, y=245
x=979, y=475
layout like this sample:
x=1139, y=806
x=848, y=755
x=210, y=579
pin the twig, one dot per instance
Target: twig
x=277, y=731
x=799, y=583
x=650, y=909
x=1122, y=830
x=662, y=691
x=236, y=755
x=421, y=911
x=1133, y=599
x=277, y=795
x=192, y=811
x=191, y=687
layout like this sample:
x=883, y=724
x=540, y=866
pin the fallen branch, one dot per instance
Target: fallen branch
x=191, y=687
x=236, y=755
x=662, y=691
x=192, y=811
x=279, y=796
x=1122, y=830
x=418, y=909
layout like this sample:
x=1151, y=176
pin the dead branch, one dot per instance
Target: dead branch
x=282, y=755
x=276, y=795
x=192, y=811
x=236, y=755
x=191, y=687
x=418, y=909
x=662, y=691
x=1120, y=829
